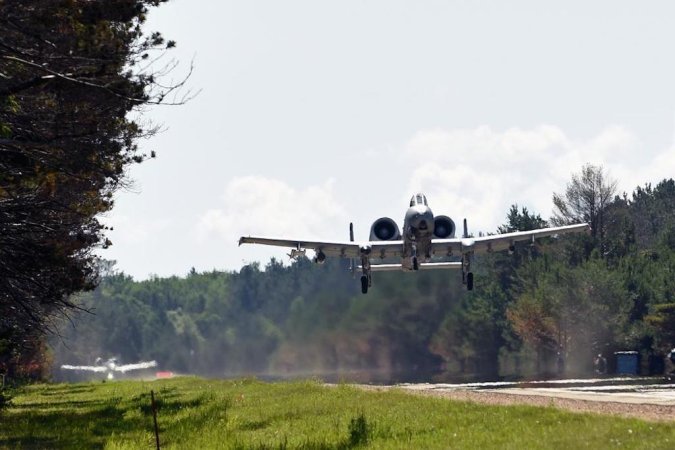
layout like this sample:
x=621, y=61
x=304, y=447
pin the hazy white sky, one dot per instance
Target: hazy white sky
x=314, y=114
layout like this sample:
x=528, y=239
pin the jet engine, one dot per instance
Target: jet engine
x=384, y=229
x=444, y=227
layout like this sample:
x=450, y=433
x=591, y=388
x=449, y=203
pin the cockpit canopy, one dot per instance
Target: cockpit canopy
x=418, y=199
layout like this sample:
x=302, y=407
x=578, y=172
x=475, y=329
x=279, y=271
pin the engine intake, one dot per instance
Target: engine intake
x=384, y=229
x=444, y=227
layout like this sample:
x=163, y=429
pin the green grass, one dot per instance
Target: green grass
x=243, y=414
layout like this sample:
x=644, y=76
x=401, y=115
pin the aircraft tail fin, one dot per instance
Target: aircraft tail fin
x=466, y=230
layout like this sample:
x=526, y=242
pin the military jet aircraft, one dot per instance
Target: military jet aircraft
x=427, y=242
x=110, y=366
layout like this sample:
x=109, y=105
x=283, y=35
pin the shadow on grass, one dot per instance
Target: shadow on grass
x=359, y=434
x=62, y=404
x=74, y=424
x=61, y=429
x=35, y=442
x=253, y=425
x=163, y=402
x=67, y=389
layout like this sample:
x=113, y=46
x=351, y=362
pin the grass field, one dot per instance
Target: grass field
x=242, y=414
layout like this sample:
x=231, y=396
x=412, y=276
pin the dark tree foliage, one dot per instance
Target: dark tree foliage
x=652, y=207
x=521, y=220
x=70, y=72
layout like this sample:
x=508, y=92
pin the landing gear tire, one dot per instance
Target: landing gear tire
x=469, y=281
x=415, y=264
x=364, y=284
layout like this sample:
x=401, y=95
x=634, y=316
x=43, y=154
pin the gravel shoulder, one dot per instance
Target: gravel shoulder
x=660, y=413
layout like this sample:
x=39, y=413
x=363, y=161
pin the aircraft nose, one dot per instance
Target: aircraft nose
x=423, y=220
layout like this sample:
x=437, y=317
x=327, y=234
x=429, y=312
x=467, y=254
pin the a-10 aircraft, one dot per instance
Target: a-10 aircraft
x=110, y=366
x=427, y=242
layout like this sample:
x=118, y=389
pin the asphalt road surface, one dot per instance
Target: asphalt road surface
x=645, y=398
x=623, y=390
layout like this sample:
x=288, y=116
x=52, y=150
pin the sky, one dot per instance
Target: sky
x=313, y=114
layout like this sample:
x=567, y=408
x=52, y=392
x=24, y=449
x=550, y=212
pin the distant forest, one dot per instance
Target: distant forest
x=559, y=301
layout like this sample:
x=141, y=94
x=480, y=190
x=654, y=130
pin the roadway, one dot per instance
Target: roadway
x=636, y=390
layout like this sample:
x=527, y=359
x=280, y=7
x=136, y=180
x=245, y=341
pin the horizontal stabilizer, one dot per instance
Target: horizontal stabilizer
x=423, y=266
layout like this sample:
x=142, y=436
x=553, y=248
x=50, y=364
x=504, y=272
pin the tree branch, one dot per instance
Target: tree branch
x=70, y=78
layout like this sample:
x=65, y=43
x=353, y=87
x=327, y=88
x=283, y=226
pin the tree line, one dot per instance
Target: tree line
x=71, y=71
x=564, y=299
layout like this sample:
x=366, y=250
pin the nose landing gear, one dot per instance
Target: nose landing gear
x=415, y=264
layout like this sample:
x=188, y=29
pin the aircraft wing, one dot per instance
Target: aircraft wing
x=89, y=368
x=499, y=242
x=342, y=249
x=136, y=366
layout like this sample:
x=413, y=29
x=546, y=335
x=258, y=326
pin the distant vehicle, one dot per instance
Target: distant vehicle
x=110, y=366
x=424, y=237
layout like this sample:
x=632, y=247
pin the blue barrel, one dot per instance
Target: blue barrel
x=627, y=363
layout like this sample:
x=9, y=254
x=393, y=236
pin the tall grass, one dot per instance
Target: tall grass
x=249, y=414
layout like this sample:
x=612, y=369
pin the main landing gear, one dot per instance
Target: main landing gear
x=364, y=284
x=366, y=278
x=469, y=281
x=467, y=275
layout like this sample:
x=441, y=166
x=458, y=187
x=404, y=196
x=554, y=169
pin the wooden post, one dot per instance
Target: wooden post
x=154, y=417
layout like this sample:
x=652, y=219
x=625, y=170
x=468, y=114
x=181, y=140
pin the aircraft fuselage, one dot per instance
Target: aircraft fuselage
x=418, y=229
